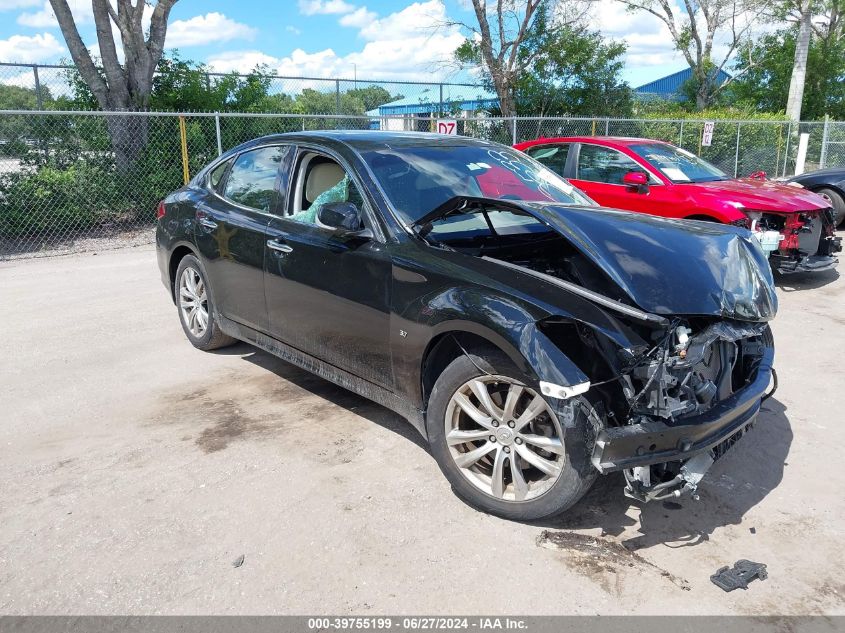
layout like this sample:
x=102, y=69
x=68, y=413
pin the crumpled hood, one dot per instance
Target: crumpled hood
x=670, y=267
x=760, y=195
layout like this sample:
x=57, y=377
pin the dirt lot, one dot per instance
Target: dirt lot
x=135, y=470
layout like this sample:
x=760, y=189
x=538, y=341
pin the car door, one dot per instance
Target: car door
x=599, y=170
x=328, y=293
x=231, y=232
x=552, y=155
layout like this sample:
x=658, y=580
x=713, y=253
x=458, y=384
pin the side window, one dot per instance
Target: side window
x=252, y=180
x=216, y=175
x=552, y=156
x=602, y=164
x=320, y=181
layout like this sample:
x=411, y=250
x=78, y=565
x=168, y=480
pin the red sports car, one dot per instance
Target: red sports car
x=795, y=226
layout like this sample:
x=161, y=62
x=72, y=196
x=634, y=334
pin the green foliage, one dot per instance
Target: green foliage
x=53, y=200
x=569, y=70
x=764, y=84
x=574, y=70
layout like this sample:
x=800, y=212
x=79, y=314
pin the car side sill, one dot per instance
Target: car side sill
x=338, y=376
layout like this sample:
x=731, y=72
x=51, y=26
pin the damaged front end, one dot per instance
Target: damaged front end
x=689, y=399
x=676, y=345
x=797, y=242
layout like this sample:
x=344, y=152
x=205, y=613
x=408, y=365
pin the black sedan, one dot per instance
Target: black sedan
x=533, y=339
x=829, y=184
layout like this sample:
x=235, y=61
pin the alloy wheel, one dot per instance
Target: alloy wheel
x=504, y=438
x=193, y=302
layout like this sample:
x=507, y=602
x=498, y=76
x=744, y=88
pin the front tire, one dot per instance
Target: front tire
x=504, y=447
x=195, y=307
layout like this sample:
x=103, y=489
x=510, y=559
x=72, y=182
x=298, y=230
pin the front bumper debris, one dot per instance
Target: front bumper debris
x=648, y=443
x=814, y=263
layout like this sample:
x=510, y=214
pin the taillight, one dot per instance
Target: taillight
x=160, y=211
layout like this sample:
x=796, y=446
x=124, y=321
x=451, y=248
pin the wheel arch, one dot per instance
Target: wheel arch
x=535, y=356
x=177, y=255
x=444, y=348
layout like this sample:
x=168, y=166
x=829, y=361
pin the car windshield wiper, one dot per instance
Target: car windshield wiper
x=453, y=206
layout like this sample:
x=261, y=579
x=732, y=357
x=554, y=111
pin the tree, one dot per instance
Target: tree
x=765, y=85
x=496, y=44
x=694, y=34
x=575, y=70
x=799, y=63
x=120, y=87
x=565, y=69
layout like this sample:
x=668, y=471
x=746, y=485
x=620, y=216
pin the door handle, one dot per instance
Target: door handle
x=277, y=246
x=209, y=224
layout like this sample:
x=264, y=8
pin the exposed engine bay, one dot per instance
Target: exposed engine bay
x=678, y=371
x=799, y=241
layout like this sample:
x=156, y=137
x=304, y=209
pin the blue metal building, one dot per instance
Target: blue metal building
x=669, y=87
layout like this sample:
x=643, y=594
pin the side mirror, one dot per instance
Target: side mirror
x=343, y=216
x=635, y=179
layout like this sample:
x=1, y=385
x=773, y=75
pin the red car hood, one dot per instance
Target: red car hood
x=758, y=195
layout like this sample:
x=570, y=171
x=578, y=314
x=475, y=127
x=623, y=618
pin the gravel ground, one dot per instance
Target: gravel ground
x=136, y=472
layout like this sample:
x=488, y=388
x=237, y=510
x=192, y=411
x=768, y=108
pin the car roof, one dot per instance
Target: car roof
x=610, y=141
x=373, y=139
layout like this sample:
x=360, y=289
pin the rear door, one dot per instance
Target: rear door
x=599, y=170
x=232, y=231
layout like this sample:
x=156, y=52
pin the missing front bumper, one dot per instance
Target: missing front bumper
x=638, y=445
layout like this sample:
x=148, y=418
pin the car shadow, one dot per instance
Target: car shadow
x=327, y=390
x=734, y=485
x=805, y=281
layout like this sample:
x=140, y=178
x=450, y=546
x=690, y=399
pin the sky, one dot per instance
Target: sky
x=367, y=39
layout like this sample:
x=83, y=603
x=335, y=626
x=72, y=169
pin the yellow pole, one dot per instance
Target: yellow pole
x=183, y=136
x=594, y=128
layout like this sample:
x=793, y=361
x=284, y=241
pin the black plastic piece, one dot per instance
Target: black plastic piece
x=738, y=577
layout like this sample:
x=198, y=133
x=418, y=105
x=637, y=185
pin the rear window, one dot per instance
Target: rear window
x=252, y=180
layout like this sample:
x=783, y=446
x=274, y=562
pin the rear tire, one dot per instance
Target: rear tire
x=195, y=307
x=836, y=201
x=541, y=461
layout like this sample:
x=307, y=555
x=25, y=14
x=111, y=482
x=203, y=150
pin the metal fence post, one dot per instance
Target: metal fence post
x=681, y=135
x=217, y=130
x=513, y=130
x=607, y=127
x=440, y=106
x=337, y=95
x=736, y=155
x=825, y=133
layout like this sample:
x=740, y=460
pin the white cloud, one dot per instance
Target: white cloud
x=324, y=7
x=202, y=29
x=240, y=61
x=411, y=44
x=359, y=18
x=293, y=29
x=44, y=19
x=417, y=20
x=30, y=49
x=646, y=36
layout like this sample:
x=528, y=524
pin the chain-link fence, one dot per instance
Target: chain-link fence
x=77, y=181
x=44, y=84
